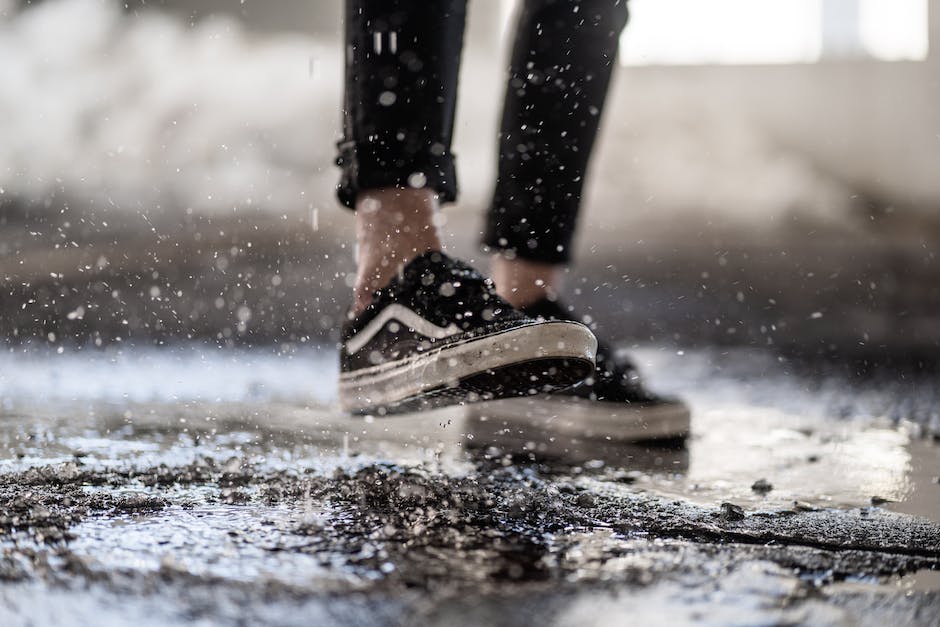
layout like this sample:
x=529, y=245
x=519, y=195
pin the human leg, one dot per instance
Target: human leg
x=393, y=226
x=402, y=64
x=425, y=329
x=561, y=65
x=562, y=62
x=523, y=281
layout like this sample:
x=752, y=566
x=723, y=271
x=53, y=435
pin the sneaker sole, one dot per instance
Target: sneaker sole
x=540, y=357
x=553, y=416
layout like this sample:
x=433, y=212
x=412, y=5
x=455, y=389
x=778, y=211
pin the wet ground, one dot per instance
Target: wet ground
x=192, y=484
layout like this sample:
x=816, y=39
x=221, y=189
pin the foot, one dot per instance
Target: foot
x=612, y=403
x=438, y=334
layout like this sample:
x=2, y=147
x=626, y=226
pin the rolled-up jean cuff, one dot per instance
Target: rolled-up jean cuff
x=365, y=168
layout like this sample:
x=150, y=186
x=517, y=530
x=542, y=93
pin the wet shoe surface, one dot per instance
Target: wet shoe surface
x=439, y=335
x=611, y=403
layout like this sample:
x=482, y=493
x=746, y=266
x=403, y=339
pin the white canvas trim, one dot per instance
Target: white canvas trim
x=406, y=317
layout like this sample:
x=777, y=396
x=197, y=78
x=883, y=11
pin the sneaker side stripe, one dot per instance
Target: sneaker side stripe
x=406, y=317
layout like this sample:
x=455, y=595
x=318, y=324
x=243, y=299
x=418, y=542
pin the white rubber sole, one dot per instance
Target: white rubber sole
x=395, y=382
x=582, y=418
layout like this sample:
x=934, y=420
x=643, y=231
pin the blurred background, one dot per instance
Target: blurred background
x=768, y=174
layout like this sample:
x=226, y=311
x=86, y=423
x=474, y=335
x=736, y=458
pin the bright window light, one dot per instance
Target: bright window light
x=740, y=32
x=894, y=30
x=693, y=32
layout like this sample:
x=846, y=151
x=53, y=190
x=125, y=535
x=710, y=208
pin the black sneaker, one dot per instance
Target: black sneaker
x=439, y=335
x=613, y=403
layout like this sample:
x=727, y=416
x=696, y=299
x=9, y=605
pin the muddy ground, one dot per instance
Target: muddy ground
x=227, y=490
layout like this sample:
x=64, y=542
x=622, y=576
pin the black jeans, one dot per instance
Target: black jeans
x=402, y=64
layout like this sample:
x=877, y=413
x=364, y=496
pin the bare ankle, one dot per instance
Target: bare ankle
x=522, y=282
x=393, y=226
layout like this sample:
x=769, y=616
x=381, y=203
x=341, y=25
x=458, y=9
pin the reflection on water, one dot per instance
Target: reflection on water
x=823, y=464
x=227, y=484
x=730, y=450
x=489, y=438
x=111, y=410
x=923, y=485
x=227, y=541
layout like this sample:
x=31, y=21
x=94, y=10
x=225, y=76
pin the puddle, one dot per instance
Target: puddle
x=758, y=459
x=282, y=499
x=235, y=543
x=770, y=429
x=922, y=496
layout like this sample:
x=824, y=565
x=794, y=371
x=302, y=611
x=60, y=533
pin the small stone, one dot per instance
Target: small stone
x=730, y=511
x=762, y=486
x=627, y=477
x=879, y=500
x=585, y=500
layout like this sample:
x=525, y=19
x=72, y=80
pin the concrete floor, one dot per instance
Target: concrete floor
x=228, y=490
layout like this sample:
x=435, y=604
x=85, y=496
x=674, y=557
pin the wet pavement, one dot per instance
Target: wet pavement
x=212, y=480
x=191, y=484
